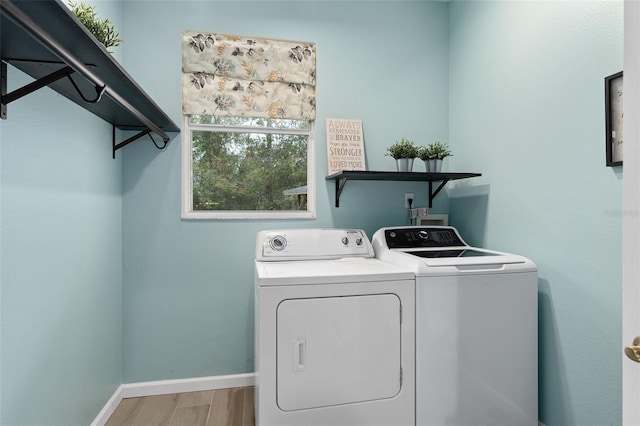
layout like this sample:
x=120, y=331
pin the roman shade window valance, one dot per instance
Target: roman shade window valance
x=228, y=75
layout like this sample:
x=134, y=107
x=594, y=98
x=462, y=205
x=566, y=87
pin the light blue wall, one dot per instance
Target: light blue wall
x=188, y=285
x=61, y=262
x=527, y=110
x=61, y=253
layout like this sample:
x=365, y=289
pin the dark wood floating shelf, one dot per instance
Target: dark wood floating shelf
x=45, y=40
x=444, y=177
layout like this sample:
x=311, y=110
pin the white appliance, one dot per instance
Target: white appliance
x=334, y=332
x=476, y=328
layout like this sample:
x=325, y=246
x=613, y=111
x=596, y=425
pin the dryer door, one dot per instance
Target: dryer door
x=338, y=350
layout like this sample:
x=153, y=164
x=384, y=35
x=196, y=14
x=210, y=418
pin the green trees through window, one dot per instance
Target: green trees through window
x=243, y=163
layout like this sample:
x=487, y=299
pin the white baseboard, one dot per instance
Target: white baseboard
x=161, y=387
x=109, y=408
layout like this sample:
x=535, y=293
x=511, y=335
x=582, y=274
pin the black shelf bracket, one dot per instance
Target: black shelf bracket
x=117, y=146
x=340, y=183
x=432, y=193
x=7, y=98
x=99, y=91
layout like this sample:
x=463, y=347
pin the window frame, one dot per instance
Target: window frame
x=187, y=177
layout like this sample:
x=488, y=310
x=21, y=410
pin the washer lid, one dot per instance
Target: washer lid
x=490, y=262
x=454, y=252
x=493, y=260
x=439, y=250
x=464, y=255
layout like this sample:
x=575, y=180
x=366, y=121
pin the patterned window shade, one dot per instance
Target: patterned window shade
x=227, y=75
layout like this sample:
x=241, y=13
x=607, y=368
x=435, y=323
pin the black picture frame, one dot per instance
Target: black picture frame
x=613, y=95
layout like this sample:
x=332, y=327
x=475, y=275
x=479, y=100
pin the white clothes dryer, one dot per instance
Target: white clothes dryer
x=334, y=332
x=476, y=328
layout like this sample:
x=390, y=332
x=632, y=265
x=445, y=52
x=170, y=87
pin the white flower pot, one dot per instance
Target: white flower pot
x=404, y=164
x=435, y=166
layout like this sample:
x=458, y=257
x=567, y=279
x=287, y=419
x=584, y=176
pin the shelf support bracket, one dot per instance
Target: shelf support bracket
x=340, y=183
x=432, y=193
x=99, y=91
x=127, y=141
x=7, y=98
x=133, y=139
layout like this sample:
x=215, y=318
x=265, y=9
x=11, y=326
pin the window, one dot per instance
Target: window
x=249, y=108
x=238, y=167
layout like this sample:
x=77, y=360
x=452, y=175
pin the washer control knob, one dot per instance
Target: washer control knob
x=423, y=235
x=345, y=241
x=278, y=243
x=358, y=241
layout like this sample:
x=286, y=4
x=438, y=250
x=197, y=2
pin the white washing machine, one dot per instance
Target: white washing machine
x=334, y=332
x=476, y=328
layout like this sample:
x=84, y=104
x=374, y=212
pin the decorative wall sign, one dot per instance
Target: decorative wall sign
x=345, y=145
x=613, y=119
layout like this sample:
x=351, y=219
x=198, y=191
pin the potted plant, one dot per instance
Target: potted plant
x=102, y=29
x=433, y=154
x=403, y=151
x=424, y=153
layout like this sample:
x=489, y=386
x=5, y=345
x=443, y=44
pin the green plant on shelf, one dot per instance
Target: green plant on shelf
x=102, y=29
x=434, y=151
x=403, y=148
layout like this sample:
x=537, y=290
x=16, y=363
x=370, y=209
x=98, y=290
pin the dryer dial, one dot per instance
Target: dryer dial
x=278, y=243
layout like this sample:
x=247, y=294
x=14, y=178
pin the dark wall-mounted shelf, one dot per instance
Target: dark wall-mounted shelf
x=342, y=178
x=46, y=41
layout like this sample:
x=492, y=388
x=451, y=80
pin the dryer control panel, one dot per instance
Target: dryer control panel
x=312, y=244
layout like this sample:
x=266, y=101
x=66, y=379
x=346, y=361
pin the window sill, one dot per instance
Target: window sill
x=248, y=214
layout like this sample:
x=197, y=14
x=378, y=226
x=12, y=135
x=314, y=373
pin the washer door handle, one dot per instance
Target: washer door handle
x=633, y=352
x=299, y=354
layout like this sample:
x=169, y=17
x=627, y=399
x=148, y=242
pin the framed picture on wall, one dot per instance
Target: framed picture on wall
x=613, y=118
x=345, y=145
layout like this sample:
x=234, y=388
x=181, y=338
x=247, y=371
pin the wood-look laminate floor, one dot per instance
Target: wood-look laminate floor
x=220, y=407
